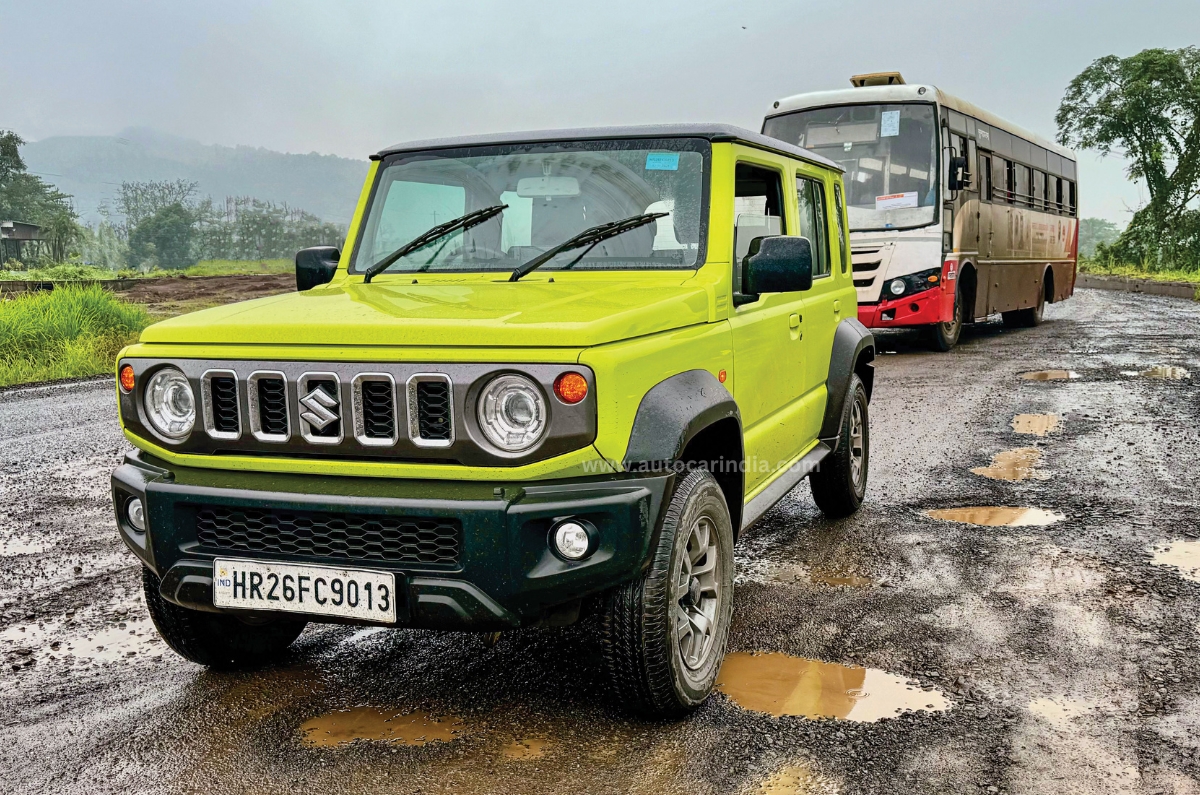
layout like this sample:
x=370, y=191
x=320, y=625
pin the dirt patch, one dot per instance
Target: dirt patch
x=180, y=294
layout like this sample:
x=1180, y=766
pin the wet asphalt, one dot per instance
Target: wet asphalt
x=1068, y=657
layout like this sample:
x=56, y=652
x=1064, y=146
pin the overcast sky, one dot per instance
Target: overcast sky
x=353, y=76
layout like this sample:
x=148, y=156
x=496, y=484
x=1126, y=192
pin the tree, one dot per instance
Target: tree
x=137, y=201
x=1094, y=232
x=10, y=156
x=25, y=197
x=163, y=239
x=1147, y=108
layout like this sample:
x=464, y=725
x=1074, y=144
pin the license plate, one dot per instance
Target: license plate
x=291, y=588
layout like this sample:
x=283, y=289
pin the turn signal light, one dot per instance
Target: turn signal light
x=570, y=388
x=126, y=378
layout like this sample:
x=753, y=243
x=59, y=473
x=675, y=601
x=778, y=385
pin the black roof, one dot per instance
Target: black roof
x=712, y=132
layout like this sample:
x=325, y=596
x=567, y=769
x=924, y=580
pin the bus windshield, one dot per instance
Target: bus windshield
x=889, y=152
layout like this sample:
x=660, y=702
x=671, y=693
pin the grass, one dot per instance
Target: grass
x=66, y=333
x=72, y=272
x=1139, y=272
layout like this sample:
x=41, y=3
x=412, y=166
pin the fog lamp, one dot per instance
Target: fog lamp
x=571, y=540
x=135, y=512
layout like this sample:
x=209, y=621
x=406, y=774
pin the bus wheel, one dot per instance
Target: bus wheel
x=1026, y=318
x=944, y=336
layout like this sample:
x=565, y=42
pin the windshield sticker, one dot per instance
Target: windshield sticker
x=662, y=161
x=889, y=123
x=895, y=201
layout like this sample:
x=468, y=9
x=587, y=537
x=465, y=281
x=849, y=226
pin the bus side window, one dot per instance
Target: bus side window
x=1071, y=187
x=839, y=209
x=972, y=158
x=985, y=176
x=1010, y=181
x=813, y=224
x=1058, y=194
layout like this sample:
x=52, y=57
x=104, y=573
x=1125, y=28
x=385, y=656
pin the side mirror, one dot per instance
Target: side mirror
x=316, y=266
x=777, y=265
x=958, y=173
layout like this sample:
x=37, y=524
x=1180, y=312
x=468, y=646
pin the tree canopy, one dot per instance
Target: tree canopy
x=1147, y=109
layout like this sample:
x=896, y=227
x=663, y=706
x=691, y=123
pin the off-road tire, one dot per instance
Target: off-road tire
x=223, y=642
x=1026, y=318
x=944, y=336
x=640, y=640
x=838, y=485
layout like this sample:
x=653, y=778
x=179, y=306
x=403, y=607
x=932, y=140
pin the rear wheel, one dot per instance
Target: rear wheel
x=216, y=640
x=1026, y=318
x=664, y=634
x=840, y=482
x=944, y=336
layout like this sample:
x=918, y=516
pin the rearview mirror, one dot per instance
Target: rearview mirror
x=958, y=173
x=316, y=266
x=777, y=265
x=547, y=187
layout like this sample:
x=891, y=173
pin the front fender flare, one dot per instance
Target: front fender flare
x=672, y=413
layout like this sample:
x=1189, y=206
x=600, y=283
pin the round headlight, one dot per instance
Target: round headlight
x=170, y=404
x=897, y=287
x=512, y=413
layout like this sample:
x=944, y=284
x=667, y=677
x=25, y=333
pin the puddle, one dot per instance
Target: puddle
x=23, y=545
x=1019, y=464
x=1182, y=555
x=795, y=779
x=990, y=516
x=1036, y=424
x=780, y=684
x=383, y=725
x=840, y=580
x=1050, y=375
x=522, y=750
x=71, y=642
x=1166, y=373
x=1058, y=712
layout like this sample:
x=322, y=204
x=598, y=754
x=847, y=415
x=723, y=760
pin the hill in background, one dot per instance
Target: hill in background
x=91, y=168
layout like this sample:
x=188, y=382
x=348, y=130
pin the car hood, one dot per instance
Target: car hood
x=464, y=314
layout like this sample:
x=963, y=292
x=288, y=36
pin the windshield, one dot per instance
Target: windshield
x=552, y=192
x=889, y=153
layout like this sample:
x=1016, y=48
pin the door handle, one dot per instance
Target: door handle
x=837, y=306
x=794, y=320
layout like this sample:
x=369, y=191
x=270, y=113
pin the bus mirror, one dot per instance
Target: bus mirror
x=958, y=173
x=777, y=265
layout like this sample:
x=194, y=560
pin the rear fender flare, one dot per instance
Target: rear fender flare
x=853, y=351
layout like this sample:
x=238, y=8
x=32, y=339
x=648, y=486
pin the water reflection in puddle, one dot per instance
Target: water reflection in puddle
x=1036, y=424
x=383, y=725
x=780, y=684
x=1182, y=555
x=795, y=779
x=68, y=641
x=521, y=750
x=1166, y=373
x=1019, y=464
x=992, y=516
x=1050, y=375
x=840, y=579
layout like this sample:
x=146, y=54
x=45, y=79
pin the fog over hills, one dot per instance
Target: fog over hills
x=91, y=169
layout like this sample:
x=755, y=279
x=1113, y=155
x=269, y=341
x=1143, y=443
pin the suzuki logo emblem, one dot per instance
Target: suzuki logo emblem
x=319, y=404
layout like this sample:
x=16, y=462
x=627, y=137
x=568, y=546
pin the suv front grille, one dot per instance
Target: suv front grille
x=379, y=410
x=272, y=406
x=433, y=410
x=340, y=536
x=224, y=404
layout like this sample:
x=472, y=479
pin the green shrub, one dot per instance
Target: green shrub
x=66, y=272
x=66, y=333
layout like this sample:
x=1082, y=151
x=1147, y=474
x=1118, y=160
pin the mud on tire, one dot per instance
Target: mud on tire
x=218, y=641
x=840, y=483
x=654, y=669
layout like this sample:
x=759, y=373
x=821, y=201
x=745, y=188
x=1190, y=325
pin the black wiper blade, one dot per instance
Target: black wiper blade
x=586, y=238
x=441, y=230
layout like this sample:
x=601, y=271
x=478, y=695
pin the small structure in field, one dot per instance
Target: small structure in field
x=19, y=240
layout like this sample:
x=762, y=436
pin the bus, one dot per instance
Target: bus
x=955, y=214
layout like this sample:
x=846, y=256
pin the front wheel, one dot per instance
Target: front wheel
x=840, y=482
x=944, y=336
x=664, y=633
x=223, y=642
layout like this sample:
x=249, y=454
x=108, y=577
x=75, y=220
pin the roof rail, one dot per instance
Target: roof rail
x=877, y=79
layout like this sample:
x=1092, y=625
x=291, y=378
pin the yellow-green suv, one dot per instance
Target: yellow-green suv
x=549, y=373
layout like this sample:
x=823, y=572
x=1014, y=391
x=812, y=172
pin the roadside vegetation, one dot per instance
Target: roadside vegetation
x=69, y=332
x=86, y=273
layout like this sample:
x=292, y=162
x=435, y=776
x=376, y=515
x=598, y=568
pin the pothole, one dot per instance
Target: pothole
x=1049, y=375
x=380, y=725
x=794, y=779
x=523, y=750
x=68, y=641
x=1166, y=373
x=1019, y=464
x=994, y=516
x=840, y=579
x=1182, y=555
x=780, y=684
x=1036, y=424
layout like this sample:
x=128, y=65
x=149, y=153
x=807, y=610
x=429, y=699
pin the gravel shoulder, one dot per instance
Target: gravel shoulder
x=1069, y=657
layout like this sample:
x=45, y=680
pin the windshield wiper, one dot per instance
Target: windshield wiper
x=464, y=223
x=588, y=238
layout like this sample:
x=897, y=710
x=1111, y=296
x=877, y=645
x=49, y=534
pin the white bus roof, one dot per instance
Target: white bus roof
x=910, y=93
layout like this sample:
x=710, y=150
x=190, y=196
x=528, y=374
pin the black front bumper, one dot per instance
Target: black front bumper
x=502, y=576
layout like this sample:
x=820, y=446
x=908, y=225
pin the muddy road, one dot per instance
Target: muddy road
x=1049, y=647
